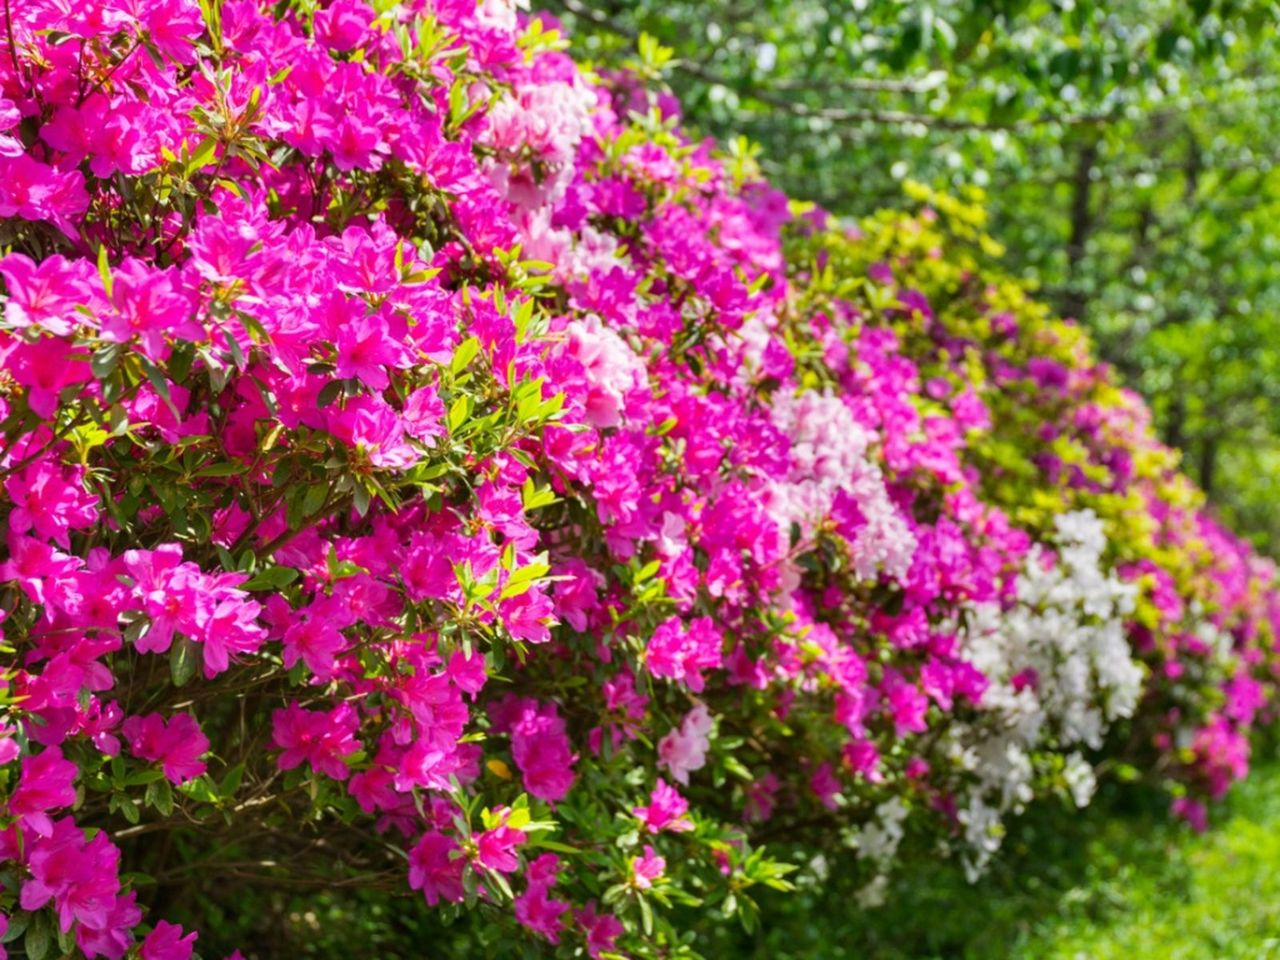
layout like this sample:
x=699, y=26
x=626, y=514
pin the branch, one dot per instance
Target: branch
x=934, y=121
x=835, y=114
x=867, y=84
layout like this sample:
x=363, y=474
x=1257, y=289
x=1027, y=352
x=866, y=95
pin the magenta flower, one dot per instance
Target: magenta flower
x=495, y=848
x=51, y=500
x=115, y=937
x=529, y=616
x=148, y=306
x=37, y=568
x=366, y=348
x=44, y=294
x=434, y=870
x=665, y=811
x=166, y=942
x=321, y=738
x=542, y=750
x=176, y=745
x=647, y=868
x=681, y=653
x=907, y=706
x=535, y=908
x=602, y=930
x=79, y=876
x=46, y=783
x=314, y=642
x=467, y=672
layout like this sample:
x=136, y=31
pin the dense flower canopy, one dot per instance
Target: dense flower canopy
x=421, y=459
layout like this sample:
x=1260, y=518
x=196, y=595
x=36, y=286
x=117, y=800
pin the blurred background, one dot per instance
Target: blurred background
x=1127, y=151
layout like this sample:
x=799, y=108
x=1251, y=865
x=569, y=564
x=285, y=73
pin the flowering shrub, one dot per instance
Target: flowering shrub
x=425, y=467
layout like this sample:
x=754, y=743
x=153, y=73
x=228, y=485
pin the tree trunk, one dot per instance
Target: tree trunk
x=1073, y=304
x=1208, y=461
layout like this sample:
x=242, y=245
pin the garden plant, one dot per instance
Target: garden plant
x=429, y=472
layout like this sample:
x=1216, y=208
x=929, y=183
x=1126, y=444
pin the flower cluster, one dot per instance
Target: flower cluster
x=421, y=460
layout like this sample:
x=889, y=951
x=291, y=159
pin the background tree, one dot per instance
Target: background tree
x=1127, y=151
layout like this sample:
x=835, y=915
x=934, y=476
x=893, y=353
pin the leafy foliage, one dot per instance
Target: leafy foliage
x=1126, y=152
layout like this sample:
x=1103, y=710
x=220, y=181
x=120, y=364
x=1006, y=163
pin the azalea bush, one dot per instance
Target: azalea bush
x=429, y=474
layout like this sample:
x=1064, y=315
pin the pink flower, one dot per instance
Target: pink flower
x=684, y=749
x=541, y=749
x=315, y=642
x=46, y=368
x=1192, y=811
x=467, y=672
x=46, y=783
x=825, y=785
x=424, y=415
x=176, y=745
x=529, y=616
x=495, y=848
x=33, y=191
x=51, y=499
x=682, y=654
x=178, y=597
x=366, y=348
x=147, y=305
x=576, y=595
x=37, y=568
x=43, y=294
x=762, y=797
x=343, y=25
x=611, y=368
x=115, y=937
x=166, y=942
x=647, y=868
x=434, y=870
x=602, y=930
x=321, y=738
x=863, y=759
x=534, y=908
x=907, y=705
x=79, y=876
x=371, y=426
x=665, y=811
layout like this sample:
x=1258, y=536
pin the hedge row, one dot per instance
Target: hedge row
x=426, y=469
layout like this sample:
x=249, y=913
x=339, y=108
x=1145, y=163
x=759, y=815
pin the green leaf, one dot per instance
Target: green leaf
x=202, y=155
x=157, y=379
x=314, y=499
x=17, y=927
x=227, y=468
x=231, y=781
x=647, y=571
x=104, y=360
x=39, y=937
x=104, y=270
x=459, y=411
x=272, y=578
x=183, y=661
x=464, y=354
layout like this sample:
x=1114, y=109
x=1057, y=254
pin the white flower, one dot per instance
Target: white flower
x=1060, y=673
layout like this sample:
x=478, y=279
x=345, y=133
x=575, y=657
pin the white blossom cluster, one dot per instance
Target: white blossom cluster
x=1060, y=673
x=877, y=840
